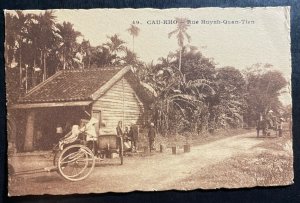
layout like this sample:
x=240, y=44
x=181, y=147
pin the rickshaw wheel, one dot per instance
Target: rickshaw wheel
x=76, y=162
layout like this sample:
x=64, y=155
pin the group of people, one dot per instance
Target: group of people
x=269, y=122
x=131, y=136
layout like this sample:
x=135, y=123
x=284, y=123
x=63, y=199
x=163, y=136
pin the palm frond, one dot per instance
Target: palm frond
x=201, y=83
x=149, y=88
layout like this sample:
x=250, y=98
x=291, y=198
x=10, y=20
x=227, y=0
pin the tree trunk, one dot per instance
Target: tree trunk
x=179, y=66
x=133, y=43
x=45, y=70
x=167, y=116
x=64, y=61
x=29, y=135
x=41, y=59
x=42, y=54
x=33, y=74
x=26, y=79
x=20, y=66
x=195, y=127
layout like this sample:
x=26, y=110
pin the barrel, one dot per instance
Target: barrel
x=107, y=142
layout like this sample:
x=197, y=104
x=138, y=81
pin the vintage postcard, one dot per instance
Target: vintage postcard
x=121, y=100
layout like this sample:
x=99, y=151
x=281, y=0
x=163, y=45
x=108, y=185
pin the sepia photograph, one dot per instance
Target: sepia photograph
x=122, y=100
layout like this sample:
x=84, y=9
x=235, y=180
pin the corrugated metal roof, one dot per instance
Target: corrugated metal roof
x=70, y=85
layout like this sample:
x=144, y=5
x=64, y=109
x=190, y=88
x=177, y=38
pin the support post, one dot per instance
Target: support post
x=174, y=150
x=186, y=148
x=29, y=135
x=145, y=149
x=162, y=148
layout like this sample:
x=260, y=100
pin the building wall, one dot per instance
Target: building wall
x=120, y=103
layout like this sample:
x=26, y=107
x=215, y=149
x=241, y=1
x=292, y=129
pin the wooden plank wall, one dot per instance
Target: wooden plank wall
x=120, y=103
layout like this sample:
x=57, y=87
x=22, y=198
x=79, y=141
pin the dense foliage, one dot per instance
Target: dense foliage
x=191, y=94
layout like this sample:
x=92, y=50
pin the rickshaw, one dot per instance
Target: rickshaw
x=75, y=157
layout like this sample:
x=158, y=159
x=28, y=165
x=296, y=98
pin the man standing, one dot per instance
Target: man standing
x=119, y=129
x=280, y=127
x=151, y=136
x=135, y=136
x=119, y=134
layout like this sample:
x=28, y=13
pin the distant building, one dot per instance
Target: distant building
x=52, y=107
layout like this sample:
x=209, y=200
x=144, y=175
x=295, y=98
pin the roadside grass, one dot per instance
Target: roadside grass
x=278, y=143
x=269, y=167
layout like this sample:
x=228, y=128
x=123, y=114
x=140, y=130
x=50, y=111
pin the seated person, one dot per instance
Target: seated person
x=71, y=138
x=127, y=139
x=127, y=133
x=91, y=135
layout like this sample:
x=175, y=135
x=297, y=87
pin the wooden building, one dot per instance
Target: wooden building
x=108, y=94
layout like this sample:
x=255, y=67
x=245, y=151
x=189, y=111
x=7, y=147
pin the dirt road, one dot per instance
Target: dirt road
x=153, y=172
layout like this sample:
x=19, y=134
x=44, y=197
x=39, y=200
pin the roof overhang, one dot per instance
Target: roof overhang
x=50, y=104
x=96, y=95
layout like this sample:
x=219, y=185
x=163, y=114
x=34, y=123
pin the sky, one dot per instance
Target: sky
x=232, y=37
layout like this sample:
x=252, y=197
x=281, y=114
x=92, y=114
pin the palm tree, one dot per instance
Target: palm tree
x=130, y=57
x=10, y=39
x=115, y=45
x=86, y=50
x=134, y=32
x=181, y=34
x=33, y=39
x=67, y=44
x=47, y=38
x=102, y=57
x=13, y=55
x=21, y=21
x=23, y=42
